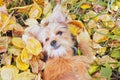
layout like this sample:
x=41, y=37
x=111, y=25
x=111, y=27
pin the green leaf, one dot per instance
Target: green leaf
x=106, y=71
x=118, y=64
x=115, y=54
x=119, y=70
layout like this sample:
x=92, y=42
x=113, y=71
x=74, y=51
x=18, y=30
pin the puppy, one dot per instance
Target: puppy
x=58, y=43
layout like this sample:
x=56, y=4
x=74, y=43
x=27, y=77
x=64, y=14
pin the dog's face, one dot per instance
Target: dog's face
x=56, y=39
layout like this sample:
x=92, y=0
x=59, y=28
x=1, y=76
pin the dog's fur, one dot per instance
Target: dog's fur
x=61, y=64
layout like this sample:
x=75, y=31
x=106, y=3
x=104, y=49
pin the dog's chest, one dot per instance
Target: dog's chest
x=60, y=68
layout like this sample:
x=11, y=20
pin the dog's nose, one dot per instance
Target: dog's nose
x=53, y=43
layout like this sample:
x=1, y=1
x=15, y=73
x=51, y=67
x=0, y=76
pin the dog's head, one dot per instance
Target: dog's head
x=54, y=34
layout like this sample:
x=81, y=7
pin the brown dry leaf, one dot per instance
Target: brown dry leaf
x=104, y=17
x=99, y=37
x=8, y=72
x=114, y=43
x=17, y=29
x=4, y=41
x=3, y=48
x=107, y=59
x=14, y=51
x=36, y=64
x=35, y=11
x=6, y=59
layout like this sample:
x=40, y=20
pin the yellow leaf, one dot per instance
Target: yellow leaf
x=25, y=56
x=102, y=50
x=75, y=27
x=73, y=16
x=3, y=17
x=118, y=3
x=21, y=65
x=17, y=42
x=35, y=11
x=109, y=24
x=1, y=2
x=6, y=20
x=89, y=15
x=85, y=6
x=26, y=75
x=40, y=2
x=8, y=72
x=33, y=46
x=22, y=9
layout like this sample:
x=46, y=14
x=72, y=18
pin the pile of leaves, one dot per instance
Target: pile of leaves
x=24, y=61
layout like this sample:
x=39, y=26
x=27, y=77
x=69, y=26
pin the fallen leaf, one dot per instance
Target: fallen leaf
x=3, y=48
x=20, y=64
x=17, y=42
x=26, y=75
x=25, y=56
x=36, y=64
x=35, y=11
x=6, y=59
x=14, y=51
x=75, y=27
x=104, y=17
x=40, y=2
x=85, y=6
x=8, y=72
x=22, y=9
x=33, y=46
x=106, y=71
x=97, y=37
x=31, y=22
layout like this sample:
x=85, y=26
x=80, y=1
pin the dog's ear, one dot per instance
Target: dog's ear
x=58, y=15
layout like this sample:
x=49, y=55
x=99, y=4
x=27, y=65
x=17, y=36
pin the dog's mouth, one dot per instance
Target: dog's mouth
x=56, y=47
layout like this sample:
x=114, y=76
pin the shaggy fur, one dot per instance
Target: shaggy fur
x=61, y=64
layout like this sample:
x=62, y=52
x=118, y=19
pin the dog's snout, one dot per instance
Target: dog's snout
x=53, y=43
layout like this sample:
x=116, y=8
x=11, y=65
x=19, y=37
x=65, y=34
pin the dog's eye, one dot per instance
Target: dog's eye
x=59, y=33
x=46, y=39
